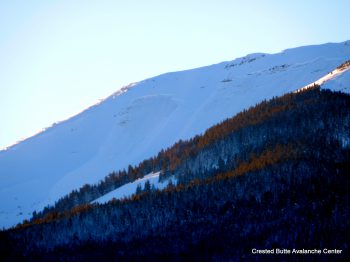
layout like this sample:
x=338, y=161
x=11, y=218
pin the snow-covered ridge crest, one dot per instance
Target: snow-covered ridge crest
x=113, y=96
x=128, y=127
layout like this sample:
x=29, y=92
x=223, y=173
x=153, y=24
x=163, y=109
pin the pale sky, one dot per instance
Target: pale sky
x=58, y=57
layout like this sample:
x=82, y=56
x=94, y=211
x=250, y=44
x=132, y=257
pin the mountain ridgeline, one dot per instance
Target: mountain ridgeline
x=273, y=176
x=138, y=121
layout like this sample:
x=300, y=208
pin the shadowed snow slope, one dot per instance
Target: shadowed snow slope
x=130, y=188
x=136, y=123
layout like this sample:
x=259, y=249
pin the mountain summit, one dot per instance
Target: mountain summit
x=139, y=120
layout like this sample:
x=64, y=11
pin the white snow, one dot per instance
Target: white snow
x=327, y=79
x=137, y=122
x=339, y=83
x=129, y=189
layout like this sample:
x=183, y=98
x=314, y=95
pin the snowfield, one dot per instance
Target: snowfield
x=336, y=80
x=339, y=83
x=137, y=122
x=130, y=188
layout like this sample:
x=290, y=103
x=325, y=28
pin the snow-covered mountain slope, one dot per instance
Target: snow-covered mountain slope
x=137, y=122
x=336, y=80
x=339, y=83
x=130, y=188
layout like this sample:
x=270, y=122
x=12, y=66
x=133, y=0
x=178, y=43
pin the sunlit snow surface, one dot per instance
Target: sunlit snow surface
x=336, y=80
x=339, y=83
x=135, y=124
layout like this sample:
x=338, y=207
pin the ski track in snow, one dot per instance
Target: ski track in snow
x=138, y=121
